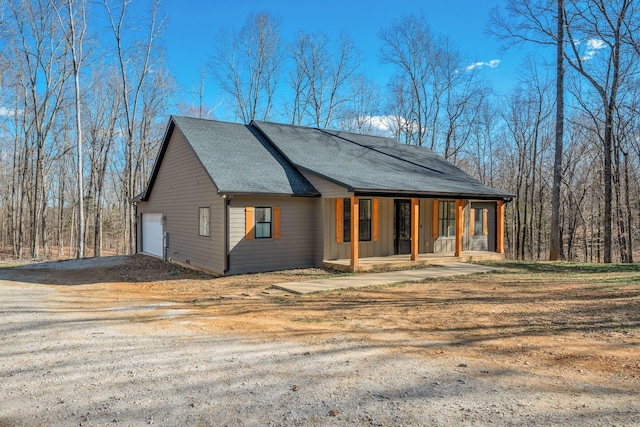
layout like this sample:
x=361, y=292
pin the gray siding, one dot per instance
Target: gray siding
x=297, y=247
x=319, y=229
x=488, y=242
x=426, y=244
x=444, y=245
x=326, y=188
x=479, y=243
x=426, y=223
x=182, y=186
x=386, y=228
x=384, y=245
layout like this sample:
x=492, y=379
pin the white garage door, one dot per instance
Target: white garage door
x=152, y=234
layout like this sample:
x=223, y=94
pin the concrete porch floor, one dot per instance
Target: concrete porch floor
x=404, y=261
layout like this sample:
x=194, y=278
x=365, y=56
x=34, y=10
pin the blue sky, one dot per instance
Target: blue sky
x=193, y=25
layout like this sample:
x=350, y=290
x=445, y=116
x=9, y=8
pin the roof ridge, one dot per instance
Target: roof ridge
x=325, y=130
x=204, y=119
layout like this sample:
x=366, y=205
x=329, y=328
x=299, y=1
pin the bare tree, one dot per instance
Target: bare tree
x=247, y=66
x=596, y=24
x=555, y=242
x=103, y=107
x=531, y=21
x=462, y=95
x=134, y=69
x=410, y=45
x=321, y=78
x=600, y=48
x=436, y=93
x=76, y=24
x=40, y=72
x=47, y=138
x=527, y=121
x=482, y=151
x=363, y=113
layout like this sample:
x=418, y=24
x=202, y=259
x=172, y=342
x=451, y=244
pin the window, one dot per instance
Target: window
x=263, y=223
x=478, y=222
x=203, y=222
x=447, y=219
x=364, y=220
x=364, y=224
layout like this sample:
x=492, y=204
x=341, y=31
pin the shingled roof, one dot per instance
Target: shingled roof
x=373, y=165
x=238, y=159
x=268, y=158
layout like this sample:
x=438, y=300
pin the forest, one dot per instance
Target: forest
x=85, y=94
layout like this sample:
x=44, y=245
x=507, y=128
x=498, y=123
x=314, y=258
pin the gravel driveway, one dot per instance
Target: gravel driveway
x=64, y=365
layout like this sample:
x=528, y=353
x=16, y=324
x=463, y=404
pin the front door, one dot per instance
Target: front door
x=402, y=227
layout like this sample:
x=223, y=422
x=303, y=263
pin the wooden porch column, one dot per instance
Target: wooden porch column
x=355, y=218
x=500, y=227
x=459, y=226
x=415, y=227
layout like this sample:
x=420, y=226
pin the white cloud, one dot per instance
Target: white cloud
x=593, y=46
x=491, y=64
x=371, y=125
x=6, y=112
x=387, y=125
x=384, y=124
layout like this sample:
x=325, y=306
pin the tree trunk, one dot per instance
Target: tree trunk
x=628, y=206
x=556, y=241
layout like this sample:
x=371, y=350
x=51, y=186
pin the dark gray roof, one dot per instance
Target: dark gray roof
x=238, y=159
x=367, y=164
x=267, y=158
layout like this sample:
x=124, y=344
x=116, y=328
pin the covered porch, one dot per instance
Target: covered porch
x=428, y=237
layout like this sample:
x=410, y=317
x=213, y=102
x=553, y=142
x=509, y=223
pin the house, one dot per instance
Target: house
x=231, y=198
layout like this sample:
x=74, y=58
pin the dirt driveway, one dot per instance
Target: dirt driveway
x=135, y=341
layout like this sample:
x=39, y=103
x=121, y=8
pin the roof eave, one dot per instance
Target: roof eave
x=261, y=194
x=156, y=165
x=137, y=198
x=430, y=194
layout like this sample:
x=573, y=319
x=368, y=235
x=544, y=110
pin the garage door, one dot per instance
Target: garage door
x=152, y=234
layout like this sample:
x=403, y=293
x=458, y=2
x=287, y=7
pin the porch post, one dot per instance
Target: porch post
x=355, y=218
x=415, y=226
x=459, y=226
x=500, y=227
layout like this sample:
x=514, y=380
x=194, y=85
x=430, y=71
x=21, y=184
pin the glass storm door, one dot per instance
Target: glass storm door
x=402, y=227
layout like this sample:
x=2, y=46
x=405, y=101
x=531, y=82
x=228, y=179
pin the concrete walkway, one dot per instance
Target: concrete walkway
x=362, y=280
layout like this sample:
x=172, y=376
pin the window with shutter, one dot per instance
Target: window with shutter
x=264, y=222
x=364, y=220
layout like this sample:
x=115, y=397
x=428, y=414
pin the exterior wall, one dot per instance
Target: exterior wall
x=181, y=187
x=297, y=247
x=444, y=245
x=426, y=240
x=488, y=242
x=384, y=245
x=439, y=245
x=319, y=230
x=447, y=245
x=326, y=188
